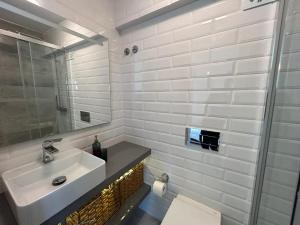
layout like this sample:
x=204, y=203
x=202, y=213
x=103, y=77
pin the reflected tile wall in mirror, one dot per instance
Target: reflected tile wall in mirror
x=44, y=86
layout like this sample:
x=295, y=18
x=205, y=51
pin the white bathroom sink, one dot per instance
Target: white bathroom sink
x=32, y=196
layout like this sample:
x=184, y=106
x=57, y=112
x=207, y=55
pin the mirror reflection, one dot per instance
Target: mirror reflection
x=54, y=75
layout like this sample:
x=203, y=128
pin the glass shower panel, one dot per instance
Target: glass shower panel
x=278, y=205
x=34, y=99
x=43, y=78
x=14, y=114
x=64, y=116
x=26, y=70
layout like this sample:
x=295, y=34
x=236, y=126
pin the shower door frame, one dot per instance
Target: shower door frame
x=19, y=36
x=269, y=110
x=296, y=208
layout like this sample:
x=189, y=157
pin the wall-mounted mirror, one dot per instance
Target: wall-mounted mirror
x=54, y=74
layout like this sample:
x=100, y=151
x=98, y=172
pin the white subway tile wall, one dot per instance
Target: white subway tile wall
x=201, y=67
x=89, y=89
x=88, y=77
x=283, y=163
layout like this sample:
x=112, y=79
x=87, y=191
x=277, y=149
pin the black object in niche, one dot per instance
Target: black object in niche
x=104, y=154
x=135, y=49
x=97, y=147
x=85, y=116
x=210, y=140
x=126, y=51
x=207, y=139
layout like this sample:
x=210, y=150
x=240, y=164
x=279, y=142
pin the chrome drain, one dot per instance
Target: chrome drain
x=59, y=180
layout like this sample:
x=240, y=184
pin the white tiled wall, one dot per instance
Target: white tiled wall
x=284, y=158
x=88, y=76
x=200, y=67
x=89, y=85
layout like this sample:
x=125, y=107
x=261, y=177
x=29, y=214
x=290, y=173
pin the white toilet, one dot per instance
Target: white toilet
x=184, y=210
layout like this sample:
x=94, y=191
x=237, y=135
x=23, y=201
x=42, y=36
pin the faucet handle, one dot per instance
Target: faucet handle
x=47, y=144
x=55, y=140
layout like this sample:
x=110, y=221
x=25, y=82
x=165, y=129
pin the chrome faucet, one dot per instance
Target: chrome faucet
x=48, y=150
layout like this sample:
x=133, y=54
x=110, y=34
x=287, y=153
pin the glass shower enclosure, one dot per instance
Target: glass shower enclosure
x=276, y=196
x=34, y=99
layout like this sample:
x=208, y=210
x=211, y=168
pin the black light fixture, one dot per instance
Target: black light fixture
x=126, y=51
x=135, y=49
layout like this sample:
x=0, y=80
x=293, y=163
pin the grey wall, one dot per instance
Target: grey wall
x=28, y=107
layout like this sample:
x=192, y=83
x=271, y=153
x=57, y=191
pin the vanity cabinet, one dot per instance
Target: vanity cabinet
x=113, y=200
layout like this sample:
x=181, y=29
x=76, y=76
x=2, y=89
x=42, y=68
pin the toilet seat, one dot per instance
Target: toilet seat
x=185, y=211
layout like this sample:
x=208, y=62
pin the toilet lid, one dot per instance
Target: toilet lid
x=184, y=210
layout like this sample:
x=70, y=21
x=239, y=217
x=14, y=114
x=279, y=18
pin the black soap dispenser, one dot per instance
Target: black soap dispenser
x=96, y=147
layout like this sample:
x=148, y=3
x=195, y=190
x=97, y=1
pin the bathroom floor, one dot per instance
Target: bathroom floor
x=6, y=216
x=142, y=218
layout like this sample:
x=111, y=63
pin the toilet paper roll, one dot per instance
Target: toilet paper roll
x=159, y=188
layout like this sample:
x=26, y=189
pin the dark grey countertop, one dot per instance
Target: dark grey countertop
x=120, y=158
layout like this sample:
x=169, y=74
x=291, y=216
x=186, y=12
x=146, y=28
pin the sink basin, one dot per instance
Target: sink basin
x=32, y=196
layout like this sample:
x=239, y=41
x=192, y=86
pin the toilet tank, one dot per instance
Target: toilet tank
x=184, y=210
